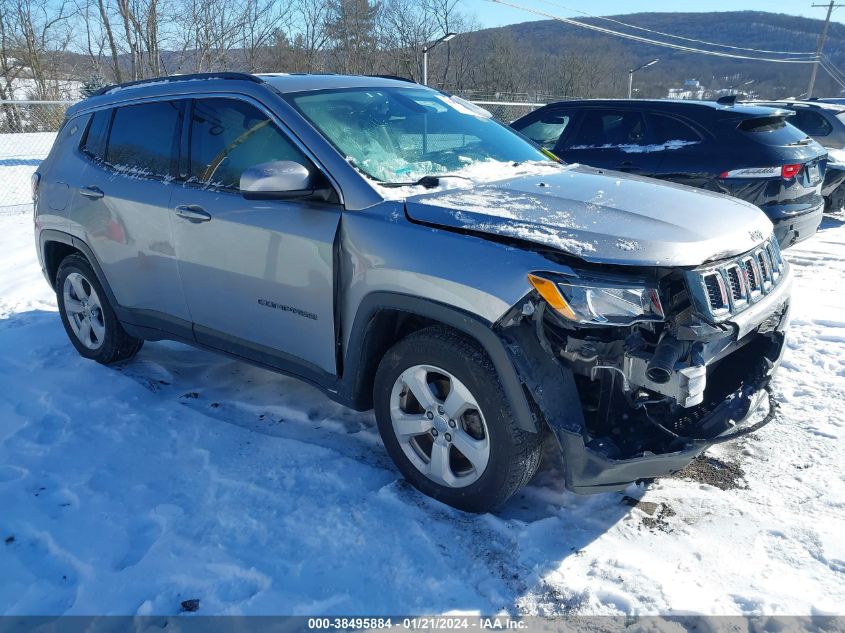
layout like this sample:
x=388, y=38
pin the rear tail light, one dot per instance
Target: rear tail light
x=36, y=180
x=784, y=171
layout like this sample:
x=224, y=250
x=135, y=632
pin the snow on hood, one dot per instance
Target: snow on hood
x=601, y=216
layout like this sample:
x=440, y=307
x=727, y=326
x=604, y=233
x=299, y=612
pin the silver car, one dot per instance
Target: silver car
x=402, y=251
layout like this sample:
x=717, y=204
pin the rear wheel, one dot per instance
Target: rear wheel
x=88, y=318
x=446, y=423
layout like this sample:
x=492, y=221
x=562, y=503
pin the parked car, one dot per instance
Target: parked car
x=400, y=250
x=749, y=152
x=825, y=123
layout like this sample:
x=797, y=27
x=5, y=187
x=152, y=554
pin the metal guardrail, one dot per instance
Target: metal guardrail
x=28, y=128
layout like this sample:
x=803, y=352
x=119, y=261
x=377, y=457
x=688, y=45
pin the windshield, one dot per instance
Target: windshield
x=400, y=135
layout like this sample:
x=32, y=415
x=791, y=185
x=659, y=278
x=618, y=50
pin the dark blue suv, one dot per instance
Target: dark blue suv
x=750, y=152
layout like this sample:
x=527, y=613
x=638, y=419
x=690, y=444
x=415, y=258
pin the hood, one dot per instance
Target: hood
x=602, y=217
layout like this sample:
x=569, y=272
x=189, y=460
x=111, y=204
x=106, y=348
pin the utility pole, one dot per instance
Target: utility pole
x=820, y=45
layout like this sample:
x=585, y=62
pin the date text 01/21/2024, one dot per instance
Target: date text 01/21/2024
x=418, y=623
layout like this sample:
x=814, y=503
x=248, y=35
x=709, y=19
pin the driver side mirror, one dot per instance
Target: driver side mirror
x=277, y=180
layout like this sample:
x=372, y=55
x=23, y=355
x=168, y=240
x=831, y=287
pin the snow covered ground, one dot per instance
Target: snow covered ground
x=181, y=474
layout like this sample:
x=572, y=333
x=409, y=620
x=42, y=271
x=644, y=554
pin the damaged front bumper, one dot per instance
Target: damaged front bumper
x=591, y=471
x=705, y=401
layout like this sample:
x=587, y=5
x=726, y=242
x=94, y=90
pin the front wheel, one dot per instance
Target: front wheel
x=447, y=424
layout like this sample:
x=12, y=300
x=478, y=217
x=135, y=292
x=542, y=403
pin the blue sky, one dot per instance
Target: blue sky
x=490, y=14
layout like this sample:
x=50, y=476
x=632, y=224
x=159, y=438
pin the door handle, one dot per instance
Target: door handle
x=193, y=213
x=92, y=193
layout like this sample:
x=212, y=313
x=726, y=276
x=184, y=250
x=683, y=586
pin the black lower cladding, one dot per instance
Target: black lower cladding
x=790, y=230
x=609, y=438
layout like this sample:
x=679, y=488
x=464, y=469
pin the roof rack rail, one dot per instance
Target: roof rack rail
x=727, y=100
x=396, y=77
x=188, y=77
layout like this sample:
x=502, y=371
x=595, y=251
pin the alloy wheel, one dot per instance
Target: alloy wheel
x=84, y=311
x=440, y=426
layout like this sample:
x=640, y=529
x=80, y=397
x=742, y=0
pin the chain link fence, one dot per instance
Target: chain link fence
x=28, y=128
x=508, y=111
x=27, y=131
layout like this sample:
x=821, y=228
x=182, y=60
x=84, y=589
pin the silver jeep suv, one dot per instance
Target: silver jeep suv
x=400, y=250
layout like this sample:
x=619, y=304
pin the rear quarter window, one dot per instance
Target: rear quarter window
x=771, y=130
x=94, y=142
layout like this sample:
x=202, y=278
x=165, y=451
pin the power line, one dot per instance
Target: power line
x=832, y=67
x=677, y=37
x=831, y=70
x=830, y=7
x=832, y=76
x=646, y=40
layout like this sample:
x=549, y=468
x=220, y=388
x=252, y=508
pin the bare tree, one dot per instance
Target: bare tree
x=105, y=21
x=262, y=20
x=310, y=19
x=210, y=32
x=40, y=34
x=406, y=27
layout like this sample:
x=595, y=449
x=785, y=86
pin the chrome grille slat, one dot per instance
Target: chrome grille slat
x=765, y=268
x=729, y=287
x=717, y=294
x=736, y=283
x=752, y=275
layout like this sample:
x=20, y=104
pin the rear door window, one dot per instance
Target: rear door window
x=144, y=137
x=609, y=129
x=547, y=129
x=667, y=130
x=229, y=135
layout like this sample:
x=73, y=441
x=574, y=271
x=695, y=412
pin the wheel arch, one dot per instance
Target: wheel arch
x=57, y=245
x=384, y=318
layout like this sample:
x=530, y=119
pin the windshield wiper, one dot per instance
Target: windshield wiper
x=429, y=182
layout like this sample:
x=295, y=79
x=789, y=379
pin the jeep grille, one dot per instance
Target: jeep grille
x=729, y=287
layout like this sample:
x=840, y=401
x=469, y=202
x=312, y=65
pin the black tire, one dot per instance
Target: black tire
x=116, y=344
x=514, y=453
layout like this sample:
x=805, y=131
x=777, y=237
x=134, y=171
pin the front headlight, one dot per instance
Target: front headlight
x=600, y=303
